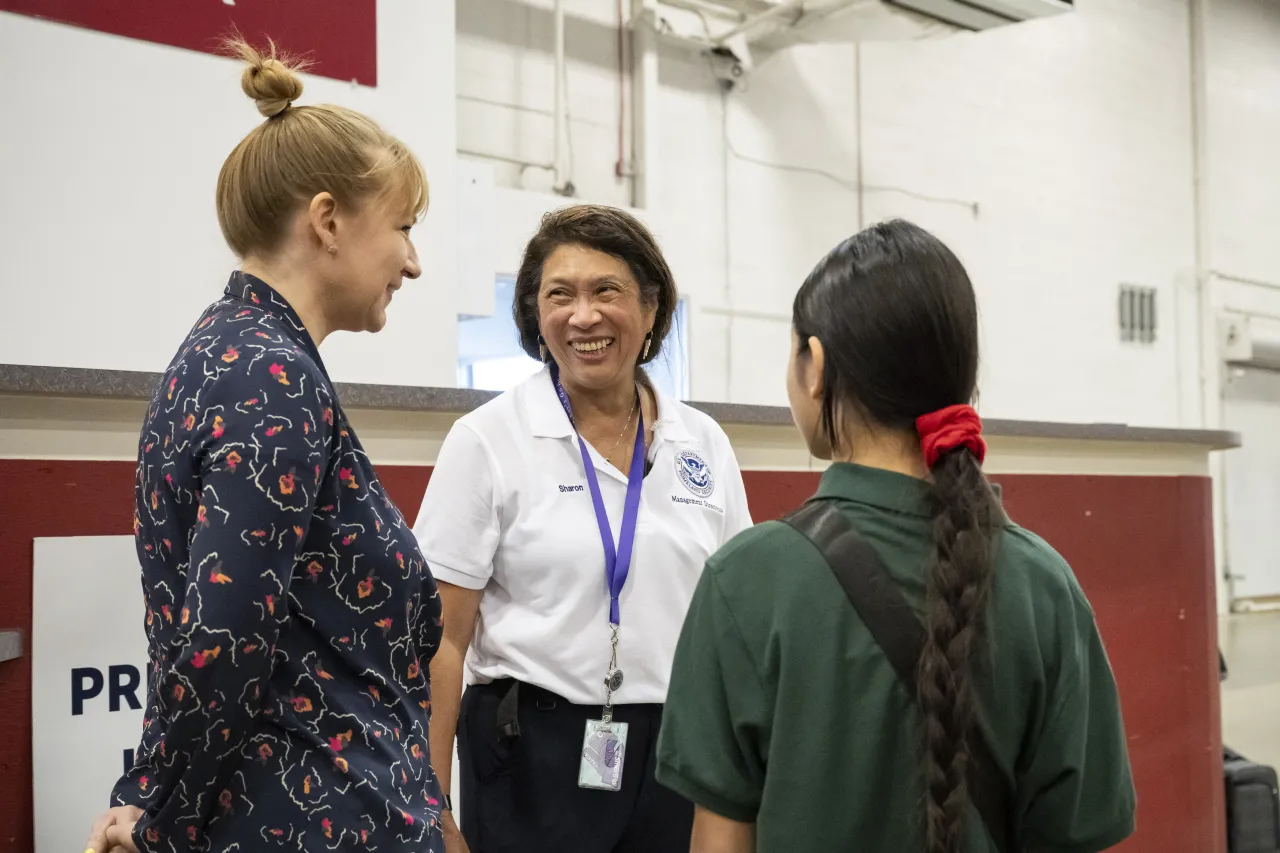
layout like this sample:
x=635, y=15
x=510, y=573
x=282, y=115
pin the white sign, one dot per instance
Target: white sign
x=88, y=680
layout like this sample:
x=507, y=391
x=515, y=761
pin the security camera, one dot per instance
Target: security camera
x=731, y=61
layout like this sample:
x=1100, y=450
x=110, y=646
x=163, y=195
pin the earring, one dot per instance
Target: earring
x=648, y=340
x=542, y=349
x=332, y=249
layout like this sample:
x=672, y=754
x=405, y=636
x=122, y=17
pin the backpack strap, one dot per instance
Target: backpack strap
x=901, y=636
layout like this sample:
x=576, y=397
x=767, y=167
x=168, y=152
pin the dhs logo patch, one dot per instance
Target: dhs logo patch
x=695, y=474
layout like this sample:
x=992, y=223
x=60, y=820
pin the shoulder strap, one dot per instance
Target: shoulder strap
x=901, y=636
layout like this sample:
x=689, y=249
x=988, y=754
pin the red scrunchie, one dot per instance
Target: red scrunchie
x=949, y=428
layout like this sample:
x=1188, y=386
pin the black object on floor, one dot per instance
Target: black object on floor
x=1253, y=805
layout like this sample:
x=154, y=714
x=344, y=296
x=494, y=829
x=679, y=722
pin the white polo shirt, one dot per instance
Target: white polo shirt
x=508, y=511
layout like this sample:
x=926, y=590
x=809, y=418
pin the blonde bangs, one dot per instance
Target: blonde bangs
x=402, y=179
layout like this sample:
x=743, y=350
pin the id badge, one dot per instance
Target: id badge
x=604, y=748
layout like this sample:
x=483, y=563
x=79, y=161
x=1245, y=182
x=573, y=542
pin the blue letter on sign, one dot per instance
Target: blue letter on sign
x=129, y=690
x=81, y=692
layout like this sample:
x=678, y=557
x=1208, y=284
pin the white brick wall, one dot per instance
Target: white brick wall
x=1244, y=133
x=108, y=167
x=1072, y=135
x=506, y=87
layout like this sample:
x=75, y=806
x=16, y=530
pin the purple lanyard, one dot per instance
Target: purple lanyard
x=617, y=562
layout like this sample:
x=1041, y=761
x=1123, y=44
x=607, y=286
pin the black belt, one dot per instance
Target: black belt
x=508, y=715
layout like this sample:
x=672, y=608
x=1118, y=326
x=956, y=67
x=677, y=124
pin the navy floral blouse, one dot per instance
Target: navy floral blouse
x=289, y=613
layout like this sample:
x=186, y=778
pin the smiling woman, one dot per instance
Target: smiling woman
x=596, y=295
x=596, y=321
x=492, y=358
x=586, y=466
x=594, y=279
x=254, y=502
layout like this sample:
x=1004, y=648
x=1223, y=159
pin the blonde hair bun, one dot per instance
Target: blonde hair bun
x=285, y=161
x=269, y=79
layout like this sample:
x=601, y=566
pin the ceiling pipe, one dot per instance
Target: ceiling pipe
x=795, y=8
x=562, y=184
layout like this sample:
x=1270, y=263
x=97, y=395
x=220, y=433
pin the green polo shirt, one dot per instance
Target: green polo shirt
x=784, y=712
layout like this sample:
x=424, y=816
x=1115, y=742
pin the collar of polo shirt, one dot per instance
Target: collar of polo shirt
x=548, y=420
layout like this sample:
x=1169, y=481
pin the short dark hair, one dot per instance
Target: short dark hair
x=605, y=229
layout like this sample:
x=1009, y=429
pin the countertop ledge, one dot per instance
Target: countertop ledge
x=137, y=385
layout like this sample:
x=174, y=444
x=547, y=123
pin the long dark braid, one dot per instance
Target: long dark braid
x=897, y=318
x=959, y=586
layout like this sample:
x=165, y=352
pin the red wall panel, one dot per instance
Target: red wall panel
x=338, y=36
x=1141, y=547
x=42, y=499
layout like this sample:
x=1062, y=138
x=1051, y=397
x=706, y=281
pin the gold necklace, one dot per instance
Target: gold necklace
x=625, y=426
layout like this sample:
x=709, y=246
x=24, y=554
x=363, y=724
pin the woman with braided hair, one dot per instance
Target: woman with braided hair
x=897, y=666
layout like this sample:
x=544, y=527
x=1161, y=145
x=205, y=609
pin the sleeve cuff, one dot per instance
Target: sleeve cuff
x=126, y=793
x=704, y=797
x=1101, y=841
x=466, y=580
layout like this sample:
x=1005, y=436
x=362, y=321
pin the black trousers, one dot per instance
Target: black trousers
x=521, y=793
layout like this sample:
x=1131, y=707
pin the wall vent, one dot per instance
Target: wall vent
x=1137, y=311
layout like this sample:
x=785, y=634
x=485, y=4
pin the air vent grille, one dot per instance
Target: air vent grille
x=1137, y=311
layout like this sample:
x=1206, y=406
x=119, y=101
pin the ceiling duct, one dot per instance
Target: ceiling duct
x=1246, y=341
x=774, y=24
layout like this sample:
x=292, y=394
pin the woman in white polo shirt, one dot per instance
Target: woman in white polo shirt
x=567, y=523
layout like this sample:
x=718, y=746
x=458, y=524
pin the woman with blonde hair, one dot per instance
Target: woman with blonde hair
x=290, y=616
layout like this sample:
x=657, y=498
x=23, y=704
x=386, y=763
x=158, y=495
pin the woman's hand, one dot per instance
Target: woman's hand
x=453, y=840
x=113, y=831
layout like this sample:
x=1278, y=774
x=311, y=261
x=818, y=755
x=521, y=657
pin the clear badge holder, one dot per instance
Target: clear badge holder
x=604, y=745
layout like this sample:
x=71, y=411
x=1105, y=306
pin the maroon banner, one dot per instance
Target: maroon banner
x=339, y=37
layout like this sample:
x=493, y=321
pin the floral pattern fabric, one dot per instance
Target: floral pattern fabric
x=289, y=613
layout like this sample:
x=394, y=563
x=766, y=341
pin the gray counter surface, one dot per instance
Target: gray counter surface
x=133, y=385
